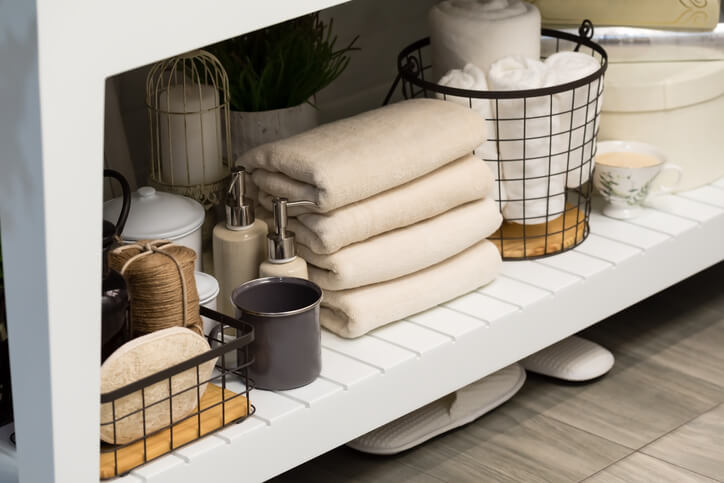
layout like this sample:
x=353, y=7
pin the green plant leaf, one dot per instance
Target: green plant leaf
x=283, y=65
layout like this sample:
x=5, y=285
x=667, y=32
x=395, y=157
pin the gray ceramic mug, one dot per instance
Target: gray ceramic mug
x=287, y=347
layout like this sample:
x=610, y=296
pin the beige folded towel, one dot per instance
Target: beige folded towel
x=405, y=250
x=354, y=312
x=455, y=184
x=352, y=159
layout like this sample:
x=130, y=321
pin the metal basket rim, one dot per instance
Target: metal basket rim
x=245, y=339
x=409, y=75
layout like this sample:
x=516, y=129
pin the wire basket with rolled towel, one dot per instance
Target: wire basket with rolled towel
x=541, y=115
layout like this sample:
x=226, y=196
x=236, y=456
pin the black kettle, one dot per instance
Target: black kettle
x=115, y=329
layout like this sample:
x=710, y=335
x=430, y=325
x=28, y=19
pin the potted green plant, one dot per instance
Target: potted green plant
x=274, y=74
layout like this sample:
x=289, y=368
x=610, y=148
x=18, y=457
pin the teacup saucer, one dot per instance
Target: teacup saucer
x=621, y=212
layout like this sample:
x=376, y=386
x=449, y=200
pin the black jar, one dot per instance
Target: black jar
x=287, y=346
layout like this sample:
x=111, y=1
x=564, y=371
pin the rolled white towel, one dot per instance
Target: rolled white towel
x=481, y=32
x=530, y=173
x=472, y=78
x=469, y=77
x=585, y=104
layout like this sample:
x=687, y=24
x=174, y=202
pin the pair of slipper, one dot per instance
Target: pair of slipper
x=572, y=359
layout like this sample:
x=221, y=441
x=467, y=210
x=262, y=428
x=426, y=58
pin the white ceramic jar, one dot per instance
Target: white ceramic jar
x=156, y=215
x=208, y=289
x=676, y=106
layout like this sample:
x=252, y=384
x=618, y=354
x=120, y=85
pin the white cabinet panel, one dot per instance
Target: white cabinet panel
x=514, y=292
x=411, y=337
x=607, y=250
x=449, y=322
x=377, y=353
x=482, y=307
x=538, y=275
x=576, y=264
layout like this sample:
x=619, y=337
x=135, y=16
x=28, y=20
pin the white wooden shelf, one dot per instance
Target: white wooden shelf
x=374, y=379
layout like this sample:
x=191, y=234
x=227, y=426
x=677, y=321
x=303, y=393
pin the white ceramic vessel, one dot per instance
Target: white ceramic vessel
x=625, y=188
x=676, y=106
x=208, y=289
x=158, y=215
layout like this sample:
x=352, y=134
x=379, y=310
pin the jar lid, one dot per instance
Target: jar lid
x=656, y=86
x=206, y=286
x=156, y=215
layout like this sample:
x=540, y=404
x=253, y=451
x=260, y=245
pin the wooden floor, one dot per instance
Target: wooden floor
x=658, y=416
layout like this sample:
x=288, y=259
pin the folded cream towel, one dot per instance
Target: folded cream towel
x=405, y=250
x=455, y=184
x=577, y=132
x=354, y=312
x=349, y=160
x=472, y=78
x=529, y=170
x=481, y=32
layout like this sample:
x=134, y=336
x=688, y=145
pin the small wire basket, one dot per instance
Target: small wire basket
x=541, y=145
x=218, y=400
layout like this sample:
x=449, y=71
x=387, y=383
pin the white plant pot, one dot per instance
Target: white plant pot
x=251, y=129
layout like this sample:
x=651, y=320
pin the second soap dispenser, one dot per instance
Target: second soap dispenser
x=239, y=242
x=283, y=260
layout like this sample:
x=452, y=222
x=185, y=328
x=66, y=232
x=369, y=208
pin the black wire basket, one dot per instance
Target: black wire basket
x=544, y=140
x=216, y=405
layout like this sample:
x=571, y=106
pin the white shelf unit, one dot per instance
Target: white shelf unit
x=56, y=57
x=50, y=210
x=372, y=380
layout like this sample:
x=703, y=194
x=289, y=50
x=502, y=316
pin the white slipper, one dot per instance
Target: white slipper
x=572, y=359
x=449, y=412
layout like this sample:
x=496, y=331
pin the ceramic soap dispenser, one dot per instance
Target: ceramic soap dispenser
x=239, y=242
x=282, y=258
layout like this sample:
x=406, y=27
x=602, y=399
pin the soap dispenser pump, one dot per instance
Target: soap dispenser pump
x=282, y=258
x=238, y=242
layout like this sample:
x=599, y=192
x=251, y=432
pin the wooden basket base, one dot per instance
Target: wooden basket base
x=131, y=456
x=537, y=243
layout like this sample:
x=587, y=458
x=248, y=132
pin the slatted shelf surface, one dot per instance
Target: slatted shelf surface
x=371, y=380
x=353, y=368
x=449, y=322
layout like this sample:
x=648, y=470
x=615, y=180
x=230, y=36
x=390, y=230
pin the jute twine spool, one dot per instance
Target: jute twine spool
x=161, y=285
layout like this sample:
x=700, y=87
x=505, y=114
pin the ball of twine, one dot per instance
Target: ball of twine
x=161, y=285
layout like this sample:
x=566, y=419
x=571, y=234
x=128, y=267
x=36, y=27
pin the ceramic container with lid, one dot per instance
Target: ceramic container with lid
x=208, y=289
x=158, y=215
x=677, y=106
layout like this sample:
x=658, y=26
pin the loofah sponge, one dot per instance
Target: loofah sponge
x=143, y=357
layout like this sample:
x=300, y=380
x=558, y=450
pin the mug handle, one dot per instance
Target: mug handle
x=662, y=190
x=214, y=335
x=211, y=338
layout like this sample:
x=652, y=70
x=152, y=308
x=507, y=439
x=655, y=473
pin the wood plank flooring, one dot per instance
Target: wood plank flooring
x=657, y=417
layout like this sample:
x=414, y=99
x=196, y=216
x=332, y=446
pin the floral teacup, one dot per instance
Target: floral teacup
x=624, y=174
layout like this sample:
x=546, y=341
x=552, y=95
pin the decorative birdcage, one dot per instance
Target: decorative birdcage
x=188, y=108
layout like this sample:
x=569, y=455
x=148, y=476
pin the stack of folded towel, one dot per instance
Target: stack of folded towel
x=402, y=209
